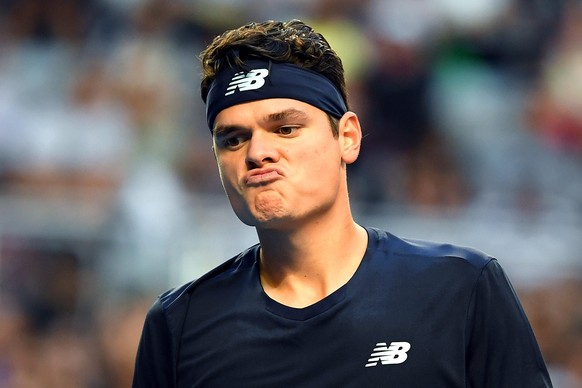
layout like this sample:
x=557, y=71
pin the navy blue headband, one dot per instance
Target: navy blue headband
x=259, y=80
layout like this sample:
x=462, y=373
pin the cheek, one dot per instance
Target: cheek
x=321, y=168
x=227, y=176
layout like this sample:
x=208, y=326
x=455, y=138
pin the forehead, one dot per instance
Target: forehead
x=272, y=109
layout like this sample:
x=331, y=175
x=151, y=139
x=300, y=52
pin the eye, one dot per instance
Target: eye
x=287, y=130
x=231, y=141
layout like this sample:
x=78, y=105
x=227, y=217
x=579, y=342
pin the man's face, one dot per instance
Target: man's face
x=279, y=161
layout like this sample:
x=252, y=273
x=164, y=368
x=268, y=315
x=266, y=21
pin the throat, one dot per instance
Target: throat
x=301, y=274
x=297, y=293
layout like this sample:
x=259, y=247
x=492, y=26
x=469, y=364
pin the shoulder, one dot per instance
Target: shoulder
x=428, y=251
x=171, y=298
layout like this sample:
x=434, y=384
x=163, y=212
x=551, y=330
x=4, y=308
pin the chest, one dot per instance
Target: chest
x=366, y=343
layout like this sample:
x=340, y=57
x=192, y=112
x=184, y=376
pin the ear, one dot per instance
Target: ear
x=350, y=137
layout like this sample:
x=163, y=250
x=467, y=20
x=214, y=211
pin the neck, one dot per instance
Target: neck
x=301, y=266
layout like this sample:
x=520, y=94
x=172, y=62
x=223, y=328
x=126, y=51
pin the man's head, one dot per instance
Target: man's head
x=282, y=133
x=273, y=42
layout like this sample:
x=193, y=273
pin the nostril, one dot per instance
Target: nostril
x=257, y=163
x=251, y=164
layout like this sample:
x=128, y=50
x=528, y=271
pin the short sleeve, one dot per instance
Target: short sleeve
x=502, y=350
x=153, y=366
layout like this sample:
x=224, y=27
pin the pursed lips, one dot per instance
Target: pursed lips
x=262, y=176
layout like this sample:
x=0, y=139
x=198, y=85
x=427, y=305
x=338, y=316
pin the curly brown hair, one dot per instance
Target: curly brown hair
x=289, y=42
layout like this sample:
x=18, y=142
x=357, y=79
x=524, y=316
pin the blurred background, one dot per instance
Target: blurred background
x=109, y=193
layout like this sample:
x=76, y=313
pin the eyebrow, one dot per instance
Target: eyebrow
x=290, y=113
x=220, y=130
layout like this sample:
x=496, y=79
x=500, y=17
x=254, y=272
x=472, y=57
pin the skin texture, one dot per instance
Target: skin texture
x=284, y=173
x=277, y=161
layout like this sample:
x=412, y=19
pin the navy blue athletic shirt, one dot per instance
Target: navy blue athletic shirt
x=415, y=314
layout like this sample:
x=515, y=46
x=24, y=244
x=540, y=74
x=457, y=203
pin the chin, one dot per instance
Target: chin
x=268, y=208
x=275, y=219
x=266, y=221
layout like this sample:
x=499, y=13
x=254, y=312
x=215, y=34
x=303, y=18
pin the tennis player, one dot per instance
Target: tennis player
x=321, y=301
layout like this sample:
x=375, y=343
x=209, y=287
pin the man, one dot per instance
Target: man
x=321, y=301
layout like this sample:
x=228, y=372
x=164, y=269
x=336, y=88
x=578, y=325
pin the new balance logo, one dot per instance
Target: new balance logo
x=393, y=354
x=254, y=79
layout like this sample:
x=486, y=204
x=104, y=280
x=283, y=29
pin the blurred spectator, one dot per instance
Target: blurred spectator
x=43, y=20
x=118, y=336
x=404, y=160
x=555, y=113
x=434, y=182
x=556, y=317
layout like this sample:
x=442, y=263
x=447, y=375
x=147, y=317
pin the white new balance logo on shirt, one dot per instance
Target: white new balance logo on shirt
x=254, y=79
x=393, y=354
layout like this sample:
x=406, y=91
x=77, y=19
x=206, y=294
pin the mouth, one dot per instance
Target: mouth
x=262, y=176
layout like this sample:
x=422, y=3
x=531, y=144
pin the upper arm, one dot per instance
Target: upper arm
x=502, y=350
x=154, y=361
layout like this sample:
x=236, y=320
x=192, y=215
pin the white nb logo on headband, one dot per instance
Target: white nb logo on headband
x=254, y=79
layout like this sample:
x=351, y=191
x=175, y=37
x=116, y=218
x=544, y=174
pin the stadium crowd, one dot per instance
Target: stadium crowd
x=109, y=194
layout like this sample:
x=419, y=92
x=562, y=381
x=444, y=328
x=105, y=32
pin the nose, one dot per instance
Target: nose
x=261, y=150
